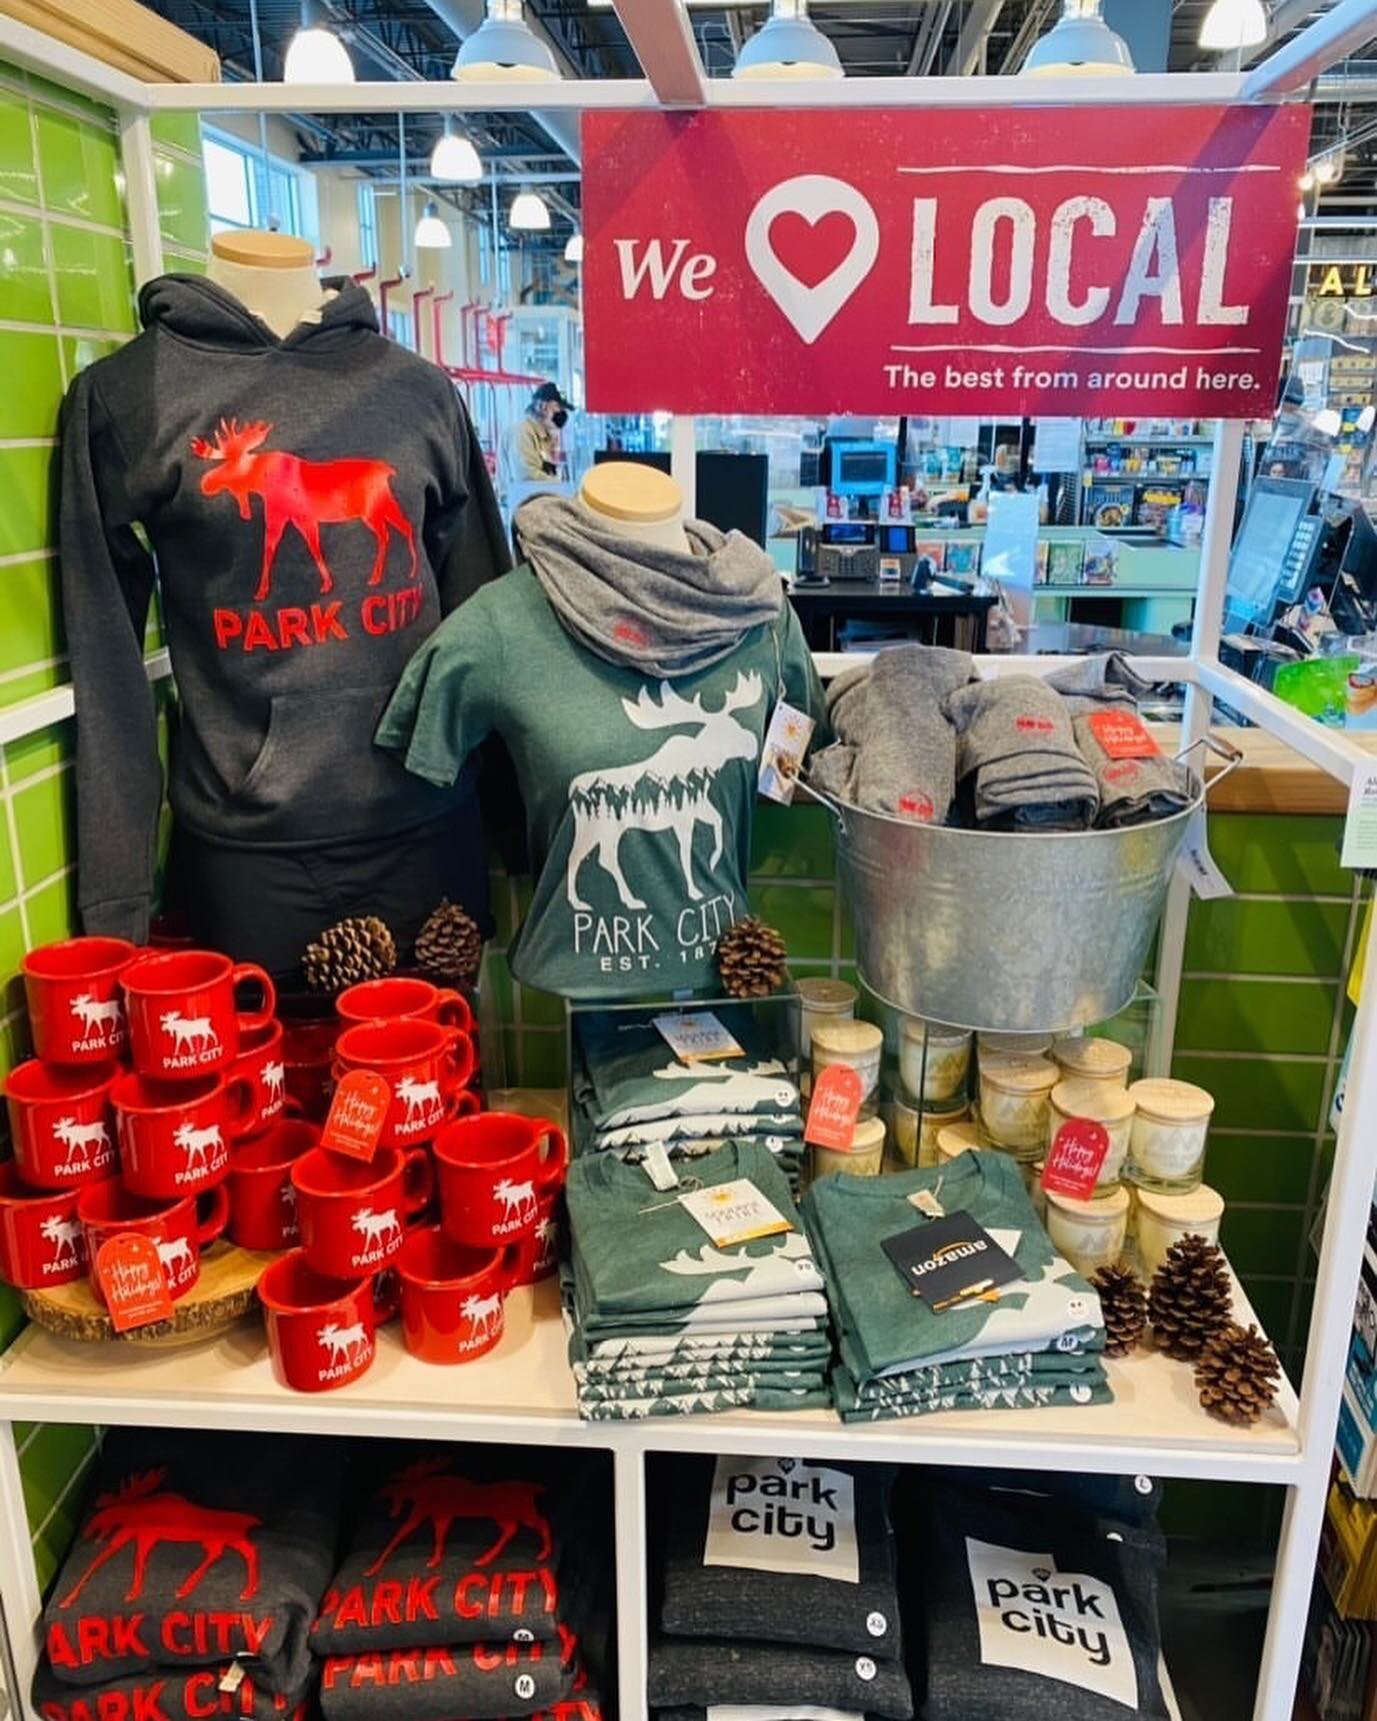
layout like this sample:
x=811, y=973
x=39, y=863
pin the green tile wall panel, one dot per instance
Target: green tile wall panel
x=1262, y=1240
x=1258, y=1093
x=181, y=131
x=25, y=524
x=1241, y=935
x=1262, y=1167
x=18, y=171
x=1280, y=856
x=32, y=392
x=1273, y=1016
x=30, y=614
x=95, y=278
x=25, y=290
x=79, y=163
x=43, y=823
x=181, y=201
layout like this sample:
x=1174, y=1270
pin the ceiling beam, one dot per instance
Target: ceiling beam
x=980, y=20
x=1288, y=16
x=662, y=40
x=1344, y=29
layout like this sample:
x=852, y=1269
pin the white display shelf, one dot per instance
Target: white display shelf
x=523, y=1391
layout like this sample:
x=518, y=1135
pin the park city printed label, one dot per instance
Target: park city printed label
x=1062, y=1625
x=783, y=1515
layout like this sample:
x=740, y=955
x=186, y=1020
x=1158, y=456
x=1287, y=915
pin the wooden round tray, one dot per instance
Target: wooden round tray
x=222, y=1294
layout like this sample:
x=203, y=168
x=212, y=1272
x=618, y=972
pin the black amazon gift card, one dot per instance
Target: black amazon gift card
x=950, y=1261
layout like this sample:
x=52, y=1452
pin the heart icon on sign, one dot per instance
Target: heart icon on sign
x=814, y=196
x=1041, y=1573
x=787, y=1464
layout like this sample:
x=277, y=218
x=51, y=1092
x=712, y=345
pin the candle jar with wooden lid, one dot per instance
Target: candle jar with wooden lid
x=1111, y=1108
x=1167, y=1142
x=856, y=1044
x=1161, y=1220
x=1091, y=1058
x=1015, y=1100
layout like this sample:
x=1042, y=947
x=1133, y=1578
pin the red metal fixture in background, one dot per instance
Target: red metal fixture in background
x=416, y=297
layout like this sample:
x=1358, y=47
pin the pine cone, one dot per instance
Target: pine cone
x=449, y=946
x=1237, y=1374
x=1190, y=1298
x=1125, y=1308
x=752, y=959
x=349, y=951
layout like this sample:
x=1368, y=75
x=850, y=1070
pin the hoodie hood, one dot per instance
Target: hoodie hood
x=196, y=309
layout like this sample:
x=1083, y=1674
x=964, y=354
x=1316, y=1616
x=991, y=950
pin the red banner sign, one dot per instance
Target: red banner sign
x=1035, y=260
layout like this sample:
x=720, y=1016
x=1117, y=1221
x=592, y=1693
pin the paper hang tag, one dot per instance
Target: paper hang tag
x=658, y=1167
x=1123, y=735
x=1075, y=1159
x=697, y=1034
x=133, y=1280
x=1360, y=825
x=232, y=1678
x=925, y=1200
x=781, y=758
x=357, y=1114
x=735, y=1212
x=834, y=1109
x=1198, y=865
x=951, y=1261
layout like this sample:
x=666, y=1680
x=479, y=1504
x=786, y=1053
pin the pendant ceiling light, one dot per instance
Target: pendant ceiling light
x=431, y=232
x=1080, y=42
x=788, y=45
x=315, y=55
x=504, y=47
x=454, y=158
x=1233, y=24
x=529, y=213
x=573, y=250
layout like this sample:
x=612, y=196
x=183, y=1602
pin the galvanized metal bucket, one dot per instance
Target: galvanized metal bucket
x=1014, y=931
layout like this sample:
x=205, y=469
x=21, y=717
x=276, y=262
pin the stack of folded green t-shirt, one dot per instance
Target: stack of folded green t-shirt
x=778, y=1591
x=1034, y=1343
x=662, y=1319
x=631, y=1090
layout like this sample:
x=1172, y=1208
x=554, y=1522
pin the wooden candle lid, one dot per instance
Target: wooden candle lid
x=1168, y=1101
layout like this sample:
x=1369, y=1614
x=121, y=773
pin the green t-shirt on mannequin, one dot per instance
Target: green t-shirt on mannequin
x=639, y=787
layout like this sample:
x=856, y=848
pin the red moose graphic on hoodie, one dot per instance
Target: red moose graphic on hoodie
x=136, y=1513
x=307, y=494
x=438, y=1498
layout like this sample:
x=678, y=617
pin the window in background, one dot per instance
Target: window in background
x=246, y=188
x=368, y=226
x=229, y=184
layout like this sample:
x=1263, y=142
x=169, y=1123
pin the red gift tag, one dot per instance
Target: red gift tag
x=357, y=1114
x=1123, y=735
x=836, y=1106
x=1073, y=1163
x=131, y=1276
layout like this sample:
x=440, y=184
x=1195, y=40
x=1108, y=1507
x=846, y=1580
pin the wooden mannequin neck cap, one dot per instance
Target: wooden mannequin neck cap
x=259, y=249
x=625, y=490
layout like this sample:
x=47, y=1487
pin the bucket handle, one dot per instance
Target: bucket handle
x=1231, y=755
x=833, y=807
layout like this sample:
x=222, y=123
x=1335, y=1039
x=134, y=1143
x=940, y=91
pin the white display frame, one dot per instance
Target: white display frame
x=532, y=1394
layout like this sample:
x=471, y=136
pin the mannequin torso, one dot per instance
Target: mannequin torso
x=636, y=501
x=273, y=274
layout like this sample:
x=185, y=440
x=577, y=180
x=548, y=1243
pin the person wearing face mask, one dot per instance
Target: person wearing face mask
x=532, y=444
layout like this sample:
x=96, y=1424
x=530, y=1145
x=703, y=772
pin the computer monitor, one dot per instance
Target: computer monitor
x=1258, y=567
x=862, y=468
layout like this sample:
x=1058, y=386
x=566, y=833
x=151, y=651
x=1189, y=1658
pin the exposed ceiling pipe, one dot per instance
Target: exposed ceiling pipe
x=1344, y=29
x=1288, y=16
x=1359, y=85
x=980, y=21
x=464, y=16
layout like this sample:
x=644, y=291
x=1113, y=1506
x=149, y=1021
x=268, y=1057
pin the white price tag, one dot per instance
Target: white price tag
x=1360, y=827
x=1206, y=880
x=781, y=759
x=694, y=1034
x=926, y=1202
x=734, y=1212
x=658, y=1167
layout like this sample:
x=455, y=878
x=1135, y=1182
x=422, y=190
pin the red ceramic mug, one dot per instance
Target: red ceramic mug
x=308, y=1050
x=175, y=1136
x=183, y=1019
x=41, y=1240
x=426, y=1066
x=320, y=1330
x=452, y=1295
x=262, y=1064
x=352, y=1212
x=175, y=1228
x=61, y=1124
x=401, y=997
x=493, y=1171
x=262, y=1199
x=76, y=1009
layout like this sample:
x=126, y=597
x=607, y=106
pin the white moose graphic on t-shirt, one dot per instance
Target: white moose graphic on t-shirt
x=669, y=791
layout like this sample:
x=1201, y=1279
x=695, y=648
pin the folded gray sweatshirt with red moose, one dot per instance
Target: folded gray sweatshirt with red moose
x=169, y=1694
x=480, y=1681
x=198, y=1549
x=459, y=1546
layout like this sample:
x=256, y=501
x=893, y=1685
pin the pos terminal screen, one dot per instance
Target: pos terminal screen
x=1257, y=567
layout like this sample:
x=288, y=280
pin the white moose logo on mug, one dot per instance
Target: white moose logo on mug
x=422, y=1101
x=376, y=1228
x=79, y=1139
x=196, y=1144
x=190, y=1033
x=518, y=1202
x=482, y=1313
x=107, y=1018
x=345, y=1344
x=65, y=1237
x=275, y=1083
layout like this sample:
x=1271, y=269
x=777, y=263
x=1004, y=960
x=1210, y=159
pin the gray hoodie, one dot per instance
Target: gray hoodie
x=314, y=506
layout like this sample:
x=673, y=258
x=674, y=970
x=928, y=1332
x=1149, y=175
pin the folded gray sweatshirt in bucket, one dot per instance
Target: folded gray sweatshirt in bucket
x=1132, y=791
x=1108, y=678
x=1014, y=737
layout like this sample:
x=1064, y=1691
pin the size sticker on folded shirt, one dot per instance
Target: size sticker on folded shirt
x=697, y=1034
x=734, y=1212
x=1075, y=1159
x=834, y=1108
x=781, y=758
x=357, y=1114
x=783, y=1515
x=1123, y=735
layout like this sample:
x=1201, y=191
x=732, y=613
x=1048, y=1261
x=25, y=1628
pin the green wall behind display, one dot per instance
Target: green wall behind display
x=66, y=298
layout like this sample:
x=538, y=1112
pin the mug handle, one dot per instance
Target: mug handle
x=418, y=1180
x=510, y=1265
x=217, y=1215
x=458, y=1056
x=452, y=1010
x=250, y=971
x=387, y=1303
x=550, y=1173
x=466, y=1103
x=238, y=1106
x=292, y=1107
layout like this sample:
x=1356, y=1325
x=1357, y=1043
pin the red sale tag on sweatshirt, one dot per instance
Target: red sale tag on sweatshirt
x=1074, y=1160
x=133, y=1281
x=357, y=1114
x=1123, y=735
x=835, y=1107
